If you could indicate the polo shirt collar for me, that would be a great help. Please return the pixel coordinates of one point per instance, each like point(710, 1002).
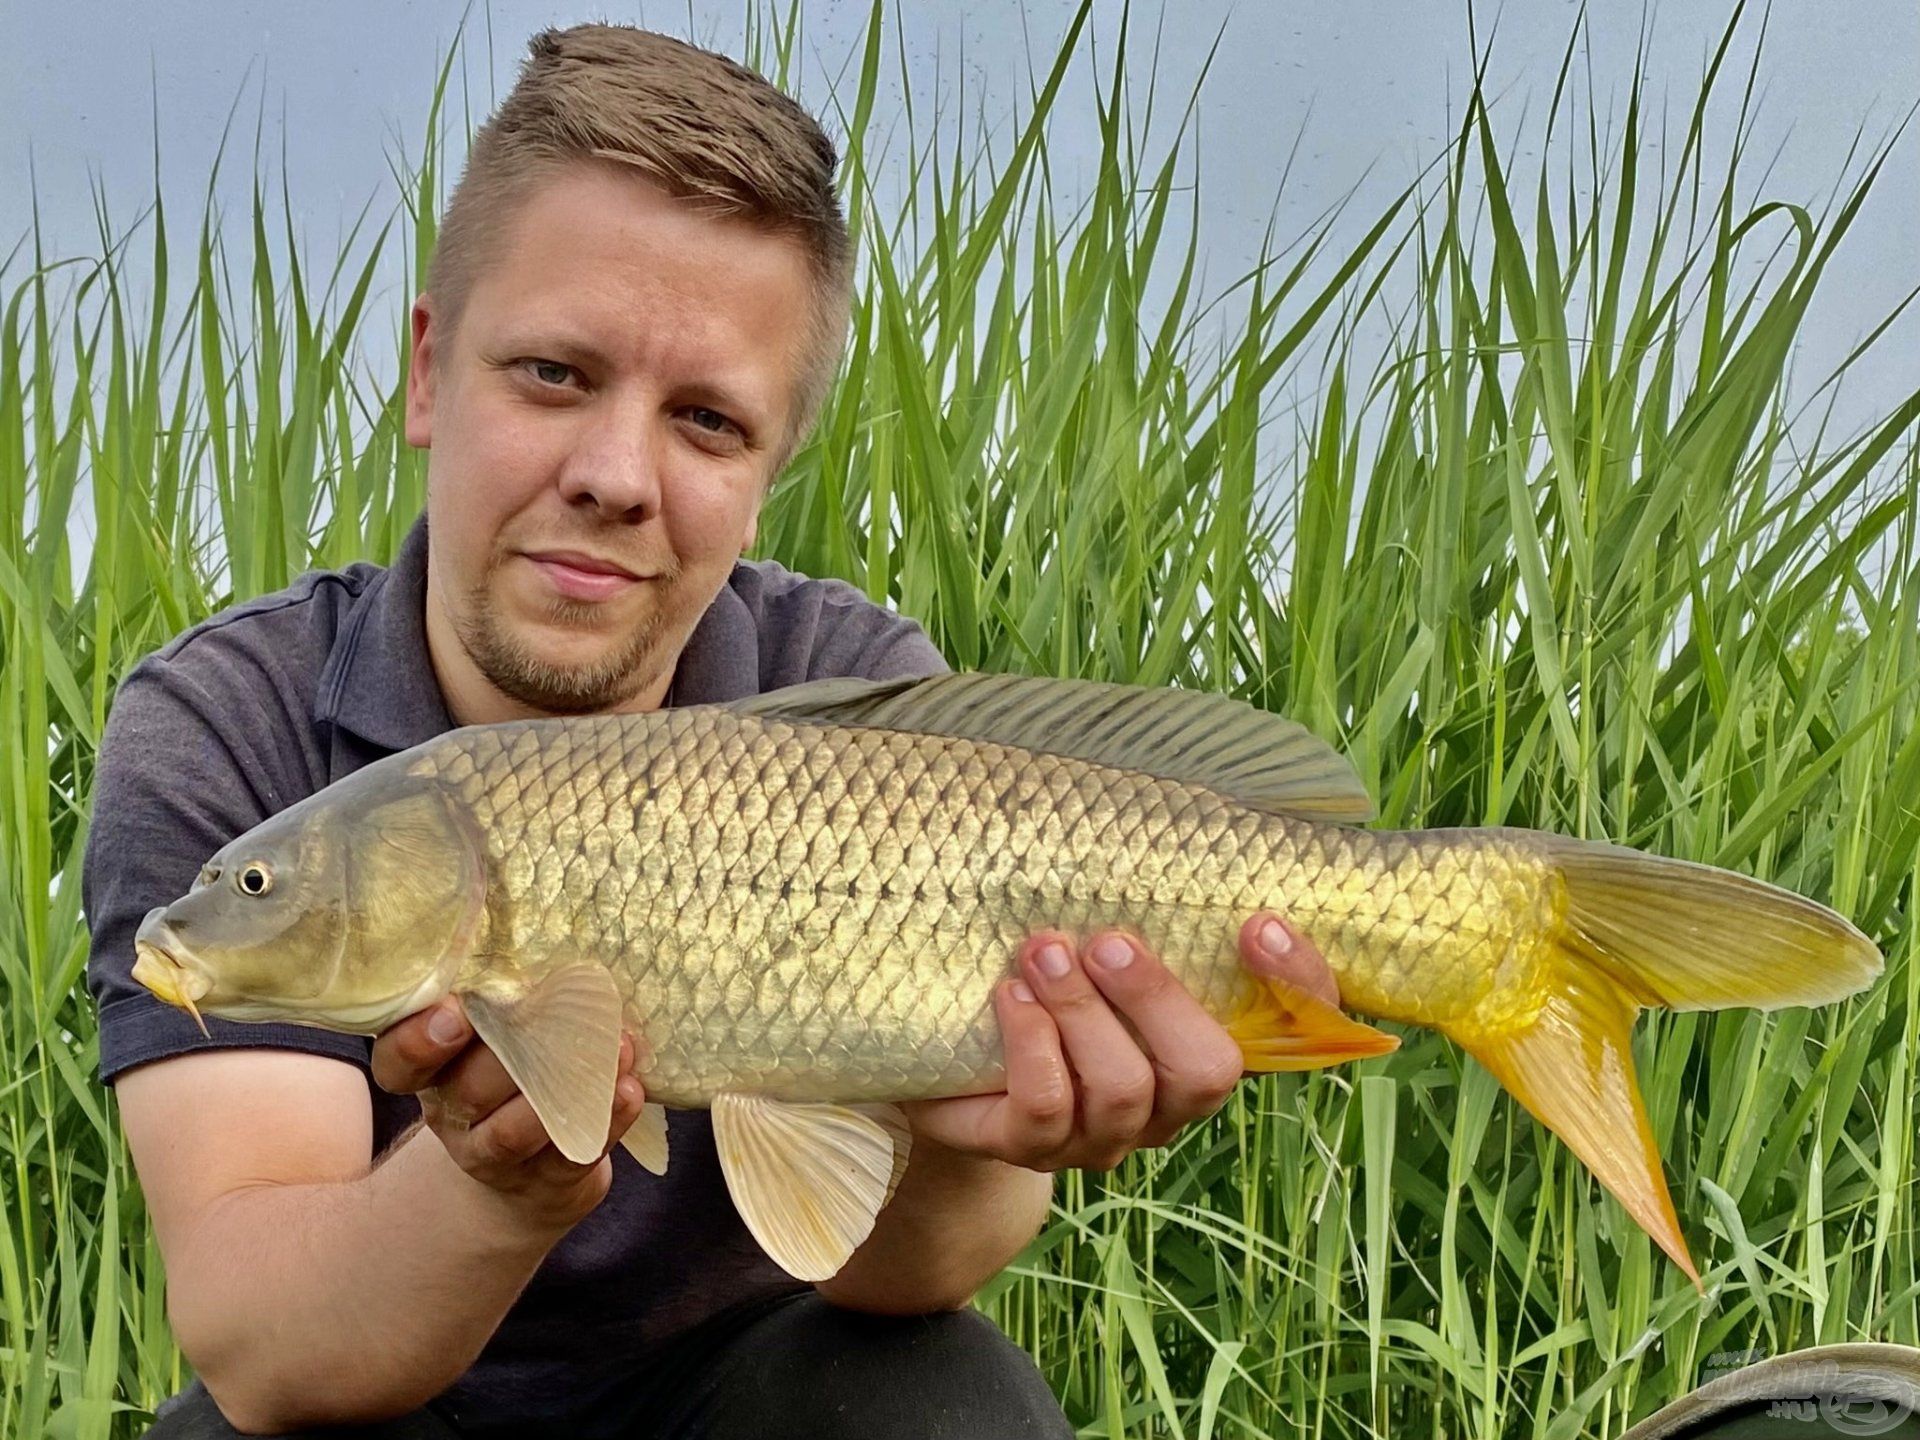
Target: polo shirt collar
point(379, 684)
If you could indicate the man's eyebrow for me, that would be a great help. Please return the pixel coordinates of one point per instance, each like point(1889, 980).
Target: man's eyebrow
point(547, 343)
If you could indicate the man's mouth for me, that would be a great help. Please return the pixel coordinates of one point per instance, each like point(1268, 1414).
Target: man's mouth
point(580, 576)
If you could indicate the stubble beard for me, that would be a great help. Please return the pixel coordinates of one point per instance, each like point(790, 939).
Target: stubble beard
point(516, 668)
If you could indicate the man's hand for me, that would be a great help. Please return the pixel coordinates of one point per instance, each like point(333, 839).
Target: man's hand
point(1082, 1092)
point(489, 1128)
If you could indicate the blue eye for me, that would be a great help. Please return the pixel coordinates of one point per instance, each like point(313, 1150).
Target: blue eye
point(549, 366)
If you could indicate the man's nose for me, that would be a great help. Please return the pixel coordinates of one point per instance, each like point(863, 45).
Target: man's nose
point(616, 468)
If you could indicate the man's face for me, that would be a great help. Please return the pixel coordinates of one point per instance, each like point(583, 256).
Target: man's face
point(602, 422)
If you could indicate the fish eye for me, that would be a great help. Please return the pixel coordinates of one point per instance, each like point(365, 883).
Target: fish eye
point(253, 879)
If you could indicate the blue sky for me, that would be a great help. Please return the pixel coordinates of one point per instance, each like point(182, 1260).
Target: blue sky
point(1366, 88)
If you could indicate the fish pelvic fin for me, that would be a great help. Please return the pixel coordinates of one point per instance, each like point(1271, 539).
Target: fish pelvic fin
point(646, 1139)
point(558, 1037)
point(1637, 930)
point(1282, 1027)
point(808, 1179)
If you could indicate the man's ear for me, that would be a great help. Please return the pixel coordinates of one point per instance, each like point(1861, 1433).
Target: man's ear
point(420, 375)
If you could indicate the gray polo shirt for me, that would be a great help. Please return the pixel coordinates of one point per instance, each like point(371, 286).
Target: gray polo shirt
point(269, 701)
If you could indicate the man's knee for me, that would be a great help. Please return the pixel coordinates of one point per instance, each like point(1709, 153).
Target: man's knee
point(952, 1375)
point(192, 1415)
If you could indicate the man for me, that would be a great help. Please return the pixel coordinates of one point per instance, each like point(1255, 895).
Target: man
point(639, 298)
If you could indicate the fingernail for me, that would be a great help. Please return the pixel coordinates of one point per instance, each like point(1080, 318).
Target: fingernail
point(1053, 960)
point(1110, 952)
point(1022, 991)
point(629, 1090)
point(1274, 940)
point(445, 1027)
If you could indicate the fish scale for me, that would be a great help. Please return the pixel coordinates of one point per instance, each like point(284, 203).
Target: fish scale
point(824, 911)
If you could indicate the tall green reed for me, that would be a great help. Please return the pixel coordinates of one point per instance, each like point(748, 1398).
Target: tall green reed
point(1558, 557)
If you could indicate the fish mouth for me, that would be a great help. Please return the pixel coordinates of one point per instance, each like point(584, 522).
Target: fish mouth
point(155, 966)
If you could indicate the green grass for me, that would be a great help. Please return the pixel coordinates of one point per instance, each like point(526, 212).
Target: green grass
point(1574, 553)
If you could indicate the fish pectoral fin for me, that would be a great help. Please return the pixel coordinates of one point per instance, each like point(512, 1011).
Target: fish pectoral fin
point(1283, 1027)
point(809, 1179)
point(646, 1138)
point(1573, 1068)
point(559, 1039)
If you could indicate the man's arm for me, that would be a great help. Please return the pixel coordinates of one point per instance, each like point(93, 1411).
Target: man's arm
point(306, 1281)
point(307, 1287)
point(1081, 1093)
point(955, 1223)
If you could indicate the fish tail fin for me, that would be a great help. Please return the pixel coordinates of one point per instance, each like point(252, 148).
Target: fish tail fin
point(1638, 930)
point(1572, 1066)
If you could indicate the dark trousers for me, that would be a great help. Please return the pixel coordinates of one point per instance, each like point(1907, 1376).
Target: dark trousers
point(799, 1368)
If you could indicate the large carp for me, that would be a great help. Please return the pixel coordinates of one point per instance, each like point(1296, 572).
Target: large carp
point(801, 904)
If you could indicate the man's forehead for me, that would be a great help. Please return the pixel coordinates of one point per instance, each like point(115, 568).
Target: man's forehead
point(621, 229)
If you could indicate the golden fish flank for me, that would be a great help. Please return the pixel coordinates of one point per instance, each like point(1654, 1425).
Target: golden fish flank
point(803, 902)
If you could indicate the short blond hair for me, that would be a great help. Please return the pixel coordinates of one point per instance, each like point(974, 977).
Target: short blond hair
point(697, 124)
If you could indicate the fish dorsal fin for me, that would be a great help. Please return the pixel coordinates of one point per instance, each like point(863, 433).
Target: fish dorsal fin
point(559, 1039)
point(1249, 755)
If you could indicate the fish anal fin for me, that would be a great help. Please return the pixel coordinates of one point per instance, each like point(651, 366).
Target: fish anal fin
point(1282, 1027)
point(558, 1036)
point(809, 1179)
point(1237, 750)
point(1572, 1067)
point(646, 1139)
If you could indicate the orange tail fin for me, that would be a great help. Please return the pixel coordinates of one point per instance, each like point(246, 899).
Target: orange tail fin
point(1573, 1068)
point(1638, 930)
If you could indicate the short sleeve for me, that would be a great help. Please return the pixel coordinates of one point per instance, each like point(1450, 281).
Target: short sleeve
point(892, 647)
point(181, 771)
point(854, 636)
point(803, 628)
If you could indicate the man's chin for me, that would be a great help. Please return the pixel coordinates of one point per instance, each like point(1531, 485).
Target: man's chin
point(573, 657)
point(562, 672)
point(557, 691)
